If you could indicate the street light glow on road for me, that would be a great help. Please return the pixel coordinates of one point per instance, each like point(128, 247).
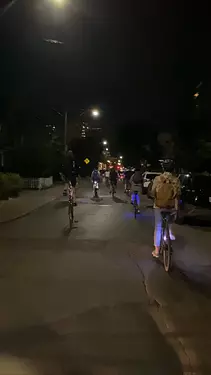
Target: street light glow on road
point(58, 2)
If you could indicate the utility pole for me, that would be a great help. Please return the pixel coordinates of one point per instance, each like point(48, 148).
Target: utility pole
point(7, 7)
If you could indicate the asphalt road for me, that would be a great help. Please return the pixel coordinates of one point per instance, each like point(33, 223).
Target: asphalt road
point(93, 301)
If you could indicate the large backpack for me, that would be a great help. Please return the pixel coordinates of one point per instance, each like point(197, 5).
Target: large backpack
point(165, 195)
point(95, 176)
point(137, 178)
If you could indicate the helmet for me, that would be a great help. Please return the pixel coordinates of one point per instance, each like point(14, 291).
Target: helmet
point(168, 165)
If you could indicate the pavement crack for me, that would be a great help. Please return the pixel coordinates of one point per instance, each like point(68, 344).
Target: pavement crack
point(152, 300)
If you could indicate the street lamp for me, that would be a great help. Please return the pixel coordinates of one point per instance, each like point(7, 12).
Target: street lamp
point(95, 113)
point(105, 142)
point(106, 148)
point(121, 157)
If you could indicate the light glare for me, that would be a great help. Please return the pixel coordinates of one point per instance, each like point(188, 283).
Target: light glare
point(95, 113)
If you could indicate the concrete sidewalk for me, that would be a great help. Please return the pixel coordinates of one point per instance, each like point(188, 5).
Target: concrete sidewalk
point(28, 201)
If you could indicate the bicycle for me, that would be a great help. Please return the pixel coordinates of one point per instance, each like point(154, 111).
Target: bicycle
point(165, 241)
point(70, 194)
point(135, 204)
point(70, 203)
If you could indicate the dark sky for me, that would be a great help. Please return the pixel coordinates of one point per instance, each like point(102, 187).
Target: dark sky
point(135, 59)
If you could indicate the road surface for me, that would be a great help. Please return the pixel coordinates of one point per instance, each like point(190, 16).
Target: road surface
point(93, 301)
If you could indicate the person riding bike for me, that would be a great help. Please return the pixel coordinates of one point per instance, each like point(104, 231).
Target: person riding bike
point(127, 177)
point(70, 173)
point(166, 192)
point(136, 181)
point(95, 177)
point(113, 179)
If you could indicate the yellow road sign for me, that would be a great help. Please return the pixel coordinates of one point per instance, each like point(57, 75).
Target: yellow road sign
point(87, 161)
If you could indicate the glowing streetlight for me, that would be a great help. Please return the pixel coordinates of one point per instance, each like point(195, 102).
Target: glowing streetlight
point(95, 113)
point(58, 2)
point(106, 148)
point(105, 142)
point(121, 157)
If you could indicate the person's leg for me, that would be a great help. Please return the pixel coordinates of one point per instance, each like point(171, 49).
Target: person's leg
point(157, 231)
point(172, 236)
point(132, 196)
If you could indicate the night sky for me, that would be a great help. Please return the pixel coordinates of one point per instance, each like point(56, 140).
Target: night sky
point(137, 60)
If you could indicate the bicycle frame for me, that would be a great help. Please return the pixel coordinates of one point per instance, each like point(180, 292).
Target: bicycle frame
point(70, 192)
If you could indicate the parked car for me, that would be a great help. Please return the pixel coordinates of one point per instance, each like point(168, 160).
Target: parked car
point(147, 178)
point(195, 196)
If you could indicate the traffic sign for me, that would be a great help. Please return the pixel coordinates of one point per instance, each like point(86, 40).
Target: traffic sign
point(87, 161)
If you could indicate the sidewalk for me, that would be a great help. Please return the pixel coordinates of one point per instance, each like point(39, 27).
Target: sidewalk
point(27, 202)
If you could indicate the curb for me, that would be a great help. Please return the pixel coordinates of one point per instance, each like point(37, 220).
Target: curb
point(20, 216)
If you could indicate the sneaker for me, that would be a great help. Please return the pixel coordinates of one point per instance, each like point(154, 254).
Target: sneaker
point(155, 254)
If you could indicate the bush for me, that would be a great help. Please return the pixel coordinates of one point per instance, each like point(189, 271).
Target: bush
point(10, 185)
point(15, 184)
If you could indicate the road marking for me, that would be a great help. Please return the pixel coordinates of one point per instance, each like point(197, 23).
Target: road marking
point(105, 205)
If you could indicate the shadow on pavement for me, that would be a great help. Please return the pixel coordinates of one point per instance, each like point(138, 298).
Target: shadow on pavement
point(96, 200)
point(122, 339)
point(198, 280)
point(119, 200)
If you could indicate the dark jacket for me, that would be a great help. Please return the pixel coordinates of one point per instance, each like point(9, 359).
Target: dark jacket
point(113, 176)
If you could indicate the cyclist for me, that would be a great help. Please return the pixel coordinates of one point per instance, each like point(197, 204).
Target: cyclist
point(95, 177)
point(70, 173)
point(166, 192)
point(128, 175)
point(136, 185)
point(113, 179)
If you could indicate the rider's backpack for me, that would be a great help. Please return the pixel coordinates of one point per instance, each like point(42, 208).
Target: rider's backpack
point(165, 195)
point(137, 178)
point(95, 176)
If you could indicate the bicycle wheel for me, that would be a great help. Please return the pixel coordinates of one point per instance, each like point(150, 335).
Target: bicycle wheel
point(167, 250)
point(135, 208)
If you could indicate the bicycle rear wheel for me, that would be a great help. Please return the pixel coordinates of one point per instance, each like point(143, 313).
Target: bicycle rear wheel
point(135, 208)
point(167, 251)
